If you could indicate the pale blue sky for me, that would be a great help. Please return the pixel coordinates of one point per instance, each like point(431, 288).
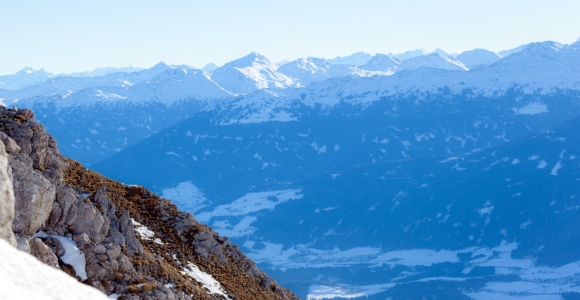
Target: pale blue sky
point(67, 35)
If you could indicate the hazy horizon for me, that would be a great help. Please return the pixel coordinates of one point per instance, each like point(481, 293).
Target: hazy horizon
point(70, 36)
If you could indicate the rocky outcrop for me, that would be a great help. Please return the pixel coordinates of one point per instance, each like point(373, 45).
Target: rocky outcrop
point(34, 197)
point(6, 199)
point(42, 252)
point(120, 239)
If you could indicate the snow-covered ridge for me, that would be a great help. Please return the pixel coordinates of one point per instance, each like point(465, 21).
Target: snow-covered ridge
point(539, 68)
point(167, 87)
point(246, 74)
point(23, 78)
point(250, 73)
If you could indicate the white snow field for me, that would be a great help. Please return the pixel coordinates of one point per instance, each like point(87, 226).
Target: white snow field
point(72, 255)
point(212, 285)
point(23, 277)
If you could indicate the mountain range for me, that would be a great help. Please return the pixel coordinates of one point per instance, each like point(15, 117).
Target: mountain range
point(80, 108)
point(418, 175)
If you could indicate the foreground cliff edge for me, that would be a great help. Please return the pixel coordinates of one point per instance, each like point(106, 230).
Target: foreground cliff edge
point(122, 240)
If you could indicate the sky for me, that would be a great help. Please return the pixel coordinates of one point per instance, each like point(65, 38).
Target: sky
point(66, 36)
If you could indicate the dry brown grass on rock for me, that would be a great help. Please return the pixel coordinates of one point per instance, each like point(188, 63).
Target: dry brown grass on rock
point(157, 262)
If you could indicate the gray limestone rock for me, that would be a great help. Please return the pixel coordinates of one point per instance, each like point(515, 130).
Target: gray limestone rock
point(55, 245)
point(184, 220)
point(6, 200)
point(205, 244)
point(90, 221)
point(107, 206)
point(70, 213)
point(43, 253)
point(81, 239)
point(34, 196)
point(63, 212)
point(23, 243)
point(128, 230)
point(9, 143)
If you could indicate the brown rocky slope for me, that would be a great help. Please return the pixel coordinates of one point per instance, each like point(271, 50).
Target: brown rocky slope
point(136, 244)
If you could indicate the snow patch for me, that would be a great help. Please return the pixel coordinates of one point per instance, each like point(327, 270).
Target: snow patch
point(319, 292)
point(145, 233)
point(320, 149)
point(72, 255)
point(186, 196)
point(251, 202)
point(208, 282)
point(555, 169)
point(531, 109)
point(243, 228)
point(542, 164)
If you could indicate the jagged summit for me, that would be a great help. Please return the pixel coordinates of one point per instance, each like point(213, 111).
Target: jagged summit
point(210, 67)
point(160, 65)
point(382, 62)
point(30, 70)
point(509, 52)
point(305, 71)
point(543, 47)
point(250, 73)
point(355, 59)
point(249, 60)
point(23, 78)
point(409, 54)
point(104, 71)
point(433, 60)
point(440, 52)
point(477, 57)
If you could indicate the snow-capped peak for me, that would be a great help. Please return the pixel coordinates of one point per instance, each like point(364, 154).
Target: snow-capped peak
point(440, 52)
point(543, 47)
point(477, 57)
point(250, 73)
point(433, 60)
point(409, 54)
point(311, 64)
point(249, 60)
point(28, 70)
point(31, 71)
point(23, 78)
point(210, 67)
point(161, 65)
point(382, 62)
point(306, 71)
point(356, 59)
point(508, 52)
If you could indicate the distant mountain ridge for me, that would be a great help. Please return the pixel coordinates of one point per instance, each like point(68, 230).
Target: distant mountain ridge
point(23, 78)
point(30, 77)
point(250, 73)
point(164, 95)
